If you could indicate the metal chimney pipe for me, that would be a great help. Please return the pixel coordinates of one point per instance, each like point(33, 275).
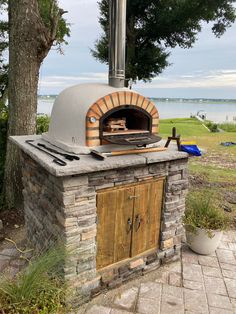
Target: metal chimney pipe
point(117, 39)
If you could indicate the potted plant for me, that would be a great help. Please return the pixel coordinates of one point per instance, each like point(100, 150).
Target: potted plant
point(204, 223)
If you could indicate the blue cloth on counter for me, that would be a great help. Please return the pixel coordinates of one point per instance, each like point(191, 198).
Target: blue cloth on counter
point(191, 149)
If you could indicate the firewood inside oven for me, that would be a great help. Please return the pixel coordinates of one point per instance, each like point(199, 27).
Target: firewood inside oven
point(115, 124)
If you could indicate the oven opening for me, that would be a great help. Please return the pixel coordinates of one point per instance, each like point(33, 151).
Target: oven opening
point(126, 121)
point(127, 125)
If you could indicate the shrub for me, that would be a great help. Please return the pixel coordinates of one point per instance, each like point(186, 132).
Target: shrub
point(42, 124)
point(202, 212)
point(213, 127)
point(38, 289)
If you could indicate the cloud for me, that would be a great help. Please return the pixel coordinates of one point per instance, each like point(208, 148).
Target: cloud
point(208, 79)
point(220, 79)
point(61, 82)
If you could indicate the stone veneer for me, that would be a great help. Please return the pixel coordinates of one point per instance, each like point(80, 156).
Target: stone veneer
point(65, 207)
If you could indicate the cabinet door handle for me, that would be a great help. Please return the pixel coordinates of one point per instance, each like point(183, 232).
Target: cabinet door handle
point(137, 222)
point(133, 196)
point(129, 225)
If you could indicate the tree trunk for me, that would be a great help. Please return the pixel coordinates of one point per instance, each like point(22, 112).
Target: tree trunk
point(28, 45)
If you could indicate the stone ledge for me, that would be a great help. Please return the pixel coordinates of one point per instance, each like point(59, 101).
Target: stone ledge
point(88, 164)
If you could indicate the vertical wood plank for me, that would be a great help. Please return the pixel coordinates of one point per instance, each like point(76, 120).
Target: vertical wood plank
point(123, 232)
point(106, 212)
point(139, 235)
point(147, 206)
point(114, 208)
point(154, 214)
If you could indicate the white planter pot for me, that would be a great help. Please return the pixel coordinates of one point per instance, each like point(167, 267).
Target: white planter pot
point(200, 242)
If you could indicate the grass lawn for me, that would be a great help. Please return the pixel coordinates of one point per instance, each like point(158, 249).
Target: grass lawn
point(187, 127)
point(216, 169)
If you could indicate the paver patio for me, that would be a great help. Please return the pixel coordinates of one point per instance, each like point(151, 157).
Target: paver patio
point(195, 284)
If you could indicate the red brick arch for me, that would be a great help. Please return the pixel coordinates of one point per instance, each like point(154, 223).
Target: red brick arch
point(107, 103)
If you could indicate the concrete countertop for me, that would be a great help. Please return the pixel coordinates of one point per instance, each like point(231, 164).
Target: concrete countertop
point(87, 163)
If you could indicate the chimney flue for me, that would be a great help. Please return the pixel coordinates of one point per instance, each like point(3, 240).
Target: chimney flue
point(117, 39)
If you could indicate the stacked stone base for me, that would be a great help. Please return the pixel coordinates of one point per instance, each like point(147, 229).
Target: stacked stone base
point(65, 208)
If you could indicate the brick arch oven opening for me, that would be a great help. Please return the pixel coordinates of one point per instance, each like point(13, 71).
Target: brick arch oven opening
point(124, 118)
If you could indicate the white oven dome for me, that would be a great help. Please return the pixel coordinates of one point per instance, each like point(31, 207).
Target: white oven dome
point(68, 118)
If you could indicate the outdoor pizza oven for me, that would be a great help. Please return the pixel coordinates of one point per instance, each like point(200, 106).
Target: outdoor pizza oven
point(119, 217)
point(92, 115)
point(96, 115)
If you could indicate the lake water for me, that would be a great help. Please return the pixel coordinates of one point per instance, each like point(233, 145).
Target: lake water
point(215, 110)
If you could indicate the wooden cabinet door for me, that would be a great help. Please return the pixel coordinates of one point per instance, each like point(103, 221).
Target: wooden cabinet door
point(128, 221)
point(115, 211)
point(147, 215)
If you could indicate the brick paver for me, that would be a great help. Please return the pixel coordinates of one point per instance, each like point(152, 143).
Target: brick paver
point(189, 256)
point(231, 287)
point(197, 284)
point(210, 261)
point(229, 273)
point(172, 300)
point(172, 304)
point(228, 267)
point(193, 285)
point(211, 271)
point(150, 290)
point(149, 300)
point(192, 272)
point(219, 301)
point(195, 301)
point(175, 279)
point(226, 256)
point(215, 285)
point(127, 299)
point(148, 306)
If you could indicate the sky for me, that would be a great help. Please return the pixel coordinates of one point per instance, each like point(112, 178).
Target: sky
point(206, 71)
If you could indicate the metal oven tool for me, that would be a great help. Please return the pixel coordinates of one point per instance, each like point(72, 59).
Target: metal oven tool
point(102, 156)
point(67, 156)
point(56, 160)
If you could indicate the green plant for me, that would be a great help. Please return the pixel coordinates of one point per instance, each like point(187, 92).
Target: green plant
point(38, 289)
point(42, 124)
point(202, 212)
point(228, 127)
point(213, 127)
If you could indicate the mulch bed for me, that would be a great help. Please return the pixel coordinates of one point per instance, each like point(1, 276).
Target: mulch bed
point(12, 218)
point(13, 224)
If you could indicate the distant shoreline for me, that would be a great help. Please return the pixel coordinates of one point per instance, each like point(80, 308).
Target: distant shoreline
point(217, 110)
point(162, 99)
